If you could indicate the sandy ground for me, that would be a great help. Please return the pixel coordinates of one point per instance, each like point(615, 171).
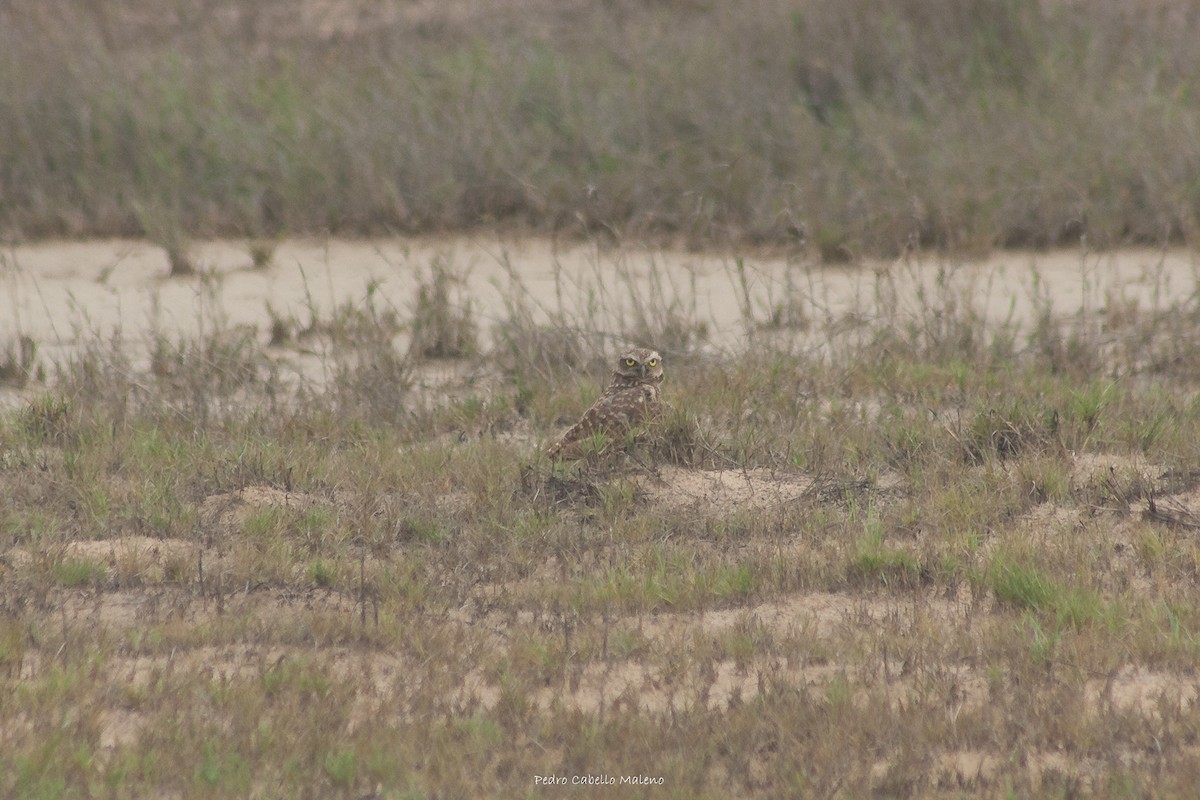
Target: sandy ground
point(66, 294)
point(614, 683)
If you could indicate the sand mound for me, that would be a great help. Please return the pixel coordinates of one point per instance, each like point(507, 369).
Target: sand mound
point(231, 509)
point(722, 491)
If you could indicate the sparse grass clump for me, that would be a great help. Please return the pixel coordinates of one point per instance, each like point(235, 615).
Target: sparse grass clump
point(18, 362)
point(77, 572)
point(162, 224)
point(262, 251)
point(441, 327)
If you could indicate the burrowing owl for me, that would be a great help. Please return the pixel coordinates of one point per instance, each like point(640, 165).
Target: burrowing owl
point(631, 398)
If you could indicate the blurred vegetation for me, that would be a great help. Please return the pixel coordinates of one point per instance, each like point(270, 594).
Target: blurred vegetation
point(858, 127)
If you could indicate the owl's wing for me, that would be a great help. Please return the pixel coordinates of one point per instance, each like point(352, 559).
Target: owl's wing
point(613, 414)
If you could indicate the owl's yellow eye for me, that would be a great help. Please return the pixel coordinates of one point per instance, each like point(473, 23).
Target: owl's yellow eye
point(629, 362)
point(654, 362)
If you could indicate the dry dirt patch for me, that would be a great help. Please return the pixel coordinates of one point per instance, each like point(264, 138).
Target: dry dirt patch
point(132, 554)
point(231, 510)
point(138, 548)
point(143, 556)
point(721, 491)
point(812, 616)
point(130, 609)
point(1143, 691)
point(819, 614)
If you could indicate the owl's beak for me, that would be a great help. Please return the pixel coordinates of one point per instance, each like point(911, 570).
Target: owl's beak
point(643, 368)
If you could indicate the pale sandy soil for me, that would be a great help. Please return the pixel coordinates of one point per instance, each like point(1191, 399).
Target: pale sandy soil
point(66, 294)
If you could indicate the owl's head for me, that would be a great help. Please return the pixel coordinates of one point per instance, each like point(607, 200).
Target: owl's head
point(640, 365)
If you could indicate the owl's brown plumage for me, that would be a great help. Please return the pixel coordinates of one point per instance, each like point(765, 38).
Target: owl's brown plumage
point(632, 397)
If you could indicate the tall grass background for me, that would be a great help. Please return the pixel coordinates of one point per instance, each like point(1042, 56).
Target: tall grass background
point(858, 127)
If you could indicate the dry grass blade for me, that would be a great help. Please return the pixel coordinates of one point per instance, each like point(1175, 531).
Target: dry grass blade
point(1171, 511)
